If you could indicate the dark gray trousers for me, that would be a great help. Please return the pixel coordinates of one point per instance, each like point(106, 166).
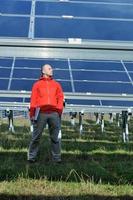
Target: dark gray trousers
point(54, 124)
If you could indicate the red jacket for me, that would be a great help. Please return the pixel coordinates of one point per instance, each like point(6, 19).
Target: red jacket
point(46, 94)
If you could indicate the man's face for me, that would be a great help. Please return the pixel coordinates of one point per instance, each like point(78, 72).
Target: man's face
point(48, 71)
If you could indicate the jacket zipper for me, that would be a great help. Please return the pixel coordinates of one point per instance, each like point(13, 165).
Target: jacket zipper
point(48, 92)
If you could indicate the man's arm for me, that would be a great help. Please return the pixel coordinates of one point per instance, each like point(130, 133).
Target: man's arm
point(33, 101)
point(60, 99)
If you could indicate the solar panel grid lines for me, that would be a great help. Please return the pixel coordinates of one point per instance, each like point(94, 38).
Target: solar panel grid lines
point(127, 72)
point(11, 74)
point(71, 10)
point(99, 1)
point(32, 20)
point(14, 18)
point(118, 2)
point(70, 21)
point(44, 19)
point(97, 80)
point(16, 7)
point(63, 20)
point(71, 75)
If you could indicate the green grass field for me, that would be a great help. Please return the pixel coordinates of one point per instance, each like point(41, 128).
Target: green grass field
point(94, 166)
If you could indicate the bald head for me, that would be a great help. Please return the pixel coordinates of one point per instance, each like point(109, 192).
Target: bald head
point(47, 70)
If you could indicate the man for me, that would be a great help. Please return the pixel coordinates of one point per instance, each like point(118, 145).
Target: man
point(46, 106)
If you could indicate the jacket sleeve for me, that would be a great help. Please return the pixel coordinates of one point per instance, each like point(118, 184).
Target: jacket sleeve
point(60, 99)
point(33, 101)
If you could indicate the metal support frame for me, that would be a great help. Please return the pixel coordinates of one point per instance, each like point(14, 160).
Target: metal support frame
point(111, 117)
point(31, 127)
point(70, 95)
point(125, 126)
point(81, 122)
point(118, 119)
point(102, 122)
point(68, 108)
point(72, 49)
point(71, 107)
point(97, 118)
point(9, 115)
point(73, 116)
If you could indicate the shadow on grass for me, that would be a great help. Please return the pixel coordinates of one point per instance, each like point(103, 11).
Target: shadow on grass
point(93, 131)
point(24, 128)
point(112, 168)
point(22, 140)
point(65, 197)
point(85, 146)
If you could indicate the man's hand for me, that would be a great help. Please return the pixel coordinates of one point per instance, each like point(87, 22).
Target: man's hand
point(32, 119)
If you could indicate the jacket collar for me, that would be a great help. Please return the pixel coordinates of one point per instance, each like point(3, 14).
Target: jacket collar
point(46, 79)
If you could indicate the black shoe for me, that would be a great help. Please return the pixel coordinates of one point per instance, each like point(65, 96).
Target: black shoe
point(31, 160)
point(57, 161)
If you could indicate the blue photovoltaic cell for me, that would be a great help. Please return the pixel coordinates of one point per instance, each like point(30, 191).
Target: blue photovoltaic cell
point(117, 103)
point(84, 10)
point(30, 63)
point(61, 74)
point(3, 84)
point(60, 64)
point(101, 76)
point(97, 65)
point(10, 99)
point(22, 84)
point(35, 74)
point(131, 75)
point(97, 103)
point(129, 66)
point(82, 102)
point(27, 100)
point(103, 87)
point(66, 85)
point(27, 85)
point(4, 62)
point(88, 29)
point(15, 7)
point(14, 26)
point(26, 73)
point(105, 1)
point(5, 73)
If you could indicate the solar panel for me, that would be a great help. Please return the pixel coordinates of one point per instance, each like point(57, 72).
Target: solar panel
point(85, 76)
point(6, 62)
point(15, 7)
point(83, 10)
point(37, 63)
point(3, 84)
point(14, 26)
point(99, 20)
point(105, 1)
point(100, 103)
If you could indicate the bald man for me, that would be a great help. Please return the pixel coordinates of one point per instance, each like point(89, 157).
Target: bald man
point(46, 107)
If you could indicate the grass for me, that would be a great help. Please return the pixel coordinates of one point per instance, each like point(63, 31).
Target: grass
point(95, 165)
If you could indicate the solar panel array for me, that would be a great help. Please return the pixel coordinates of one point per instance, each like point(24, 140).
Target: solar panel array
point(88, 20)
point(75, 76)
point(97, 20)
point(87, 76)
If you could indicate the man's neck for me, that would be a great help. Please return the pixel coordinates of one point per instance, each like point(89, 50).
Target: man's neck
point(47, 77)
